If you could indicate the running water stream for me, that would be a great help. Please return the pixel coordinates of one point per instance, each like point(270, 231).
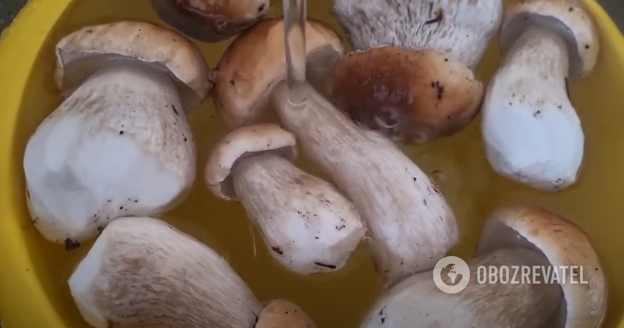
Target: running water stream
point(294, 34)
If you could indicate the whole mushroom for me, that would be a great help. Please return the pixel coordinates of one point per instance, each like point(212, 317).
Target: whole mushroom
point(211, 20)
point(119, 145)
point(144, 271)
point(410, 223)
point(395, 76)
point(573, 294)
point(307, 224)
point(531, 132)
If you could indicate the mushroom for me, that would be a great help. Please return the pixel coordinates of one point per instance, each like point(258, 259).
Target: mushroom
point(461, 30)
point(531, 132)
point(211, 20)
point(409, 95)
point(283, 314)
point(245, 81)
point(391, 84)
point(144, 271)
point(512, 237)
point(410, 222)
point(307, 224)
point(119, 145)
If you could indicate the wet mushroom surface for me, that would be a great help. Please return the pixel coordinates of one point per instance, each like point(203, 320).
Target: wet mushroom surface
point(210, 20)
point(522, 237)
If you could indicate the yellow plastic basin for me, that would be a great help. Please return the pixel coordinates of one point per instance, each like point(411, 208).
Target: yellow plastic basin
point(33, 272)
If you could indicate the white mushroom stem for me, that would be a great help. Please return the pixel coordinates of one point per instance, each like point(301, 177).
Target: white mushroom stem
point(307, 225)
point(531, 132)
point(143, 271)
point(417, 302)
point(411, 225)
point(118, 146)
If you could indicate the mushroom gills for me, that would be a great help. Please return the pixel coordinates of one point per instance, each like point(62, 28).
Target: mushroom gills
point(410, 222)
point(193, 18)
point(307, 225)
point(532, 133)
point(116, 147)
point(143, 271)
point(417, 303)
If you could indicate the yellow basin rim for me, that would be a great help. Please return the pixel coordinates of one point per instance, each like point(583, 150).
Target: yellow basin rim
point(23, 301)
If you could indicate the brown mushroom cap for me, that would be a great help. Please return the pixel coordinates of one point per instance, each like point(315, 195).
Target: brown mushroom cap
point(283, 314)
point(82, 53)
point(566, 17)
point(240, 143)
point(211, 20)
point(410, 95)
point(563, 244)
point(255, 62)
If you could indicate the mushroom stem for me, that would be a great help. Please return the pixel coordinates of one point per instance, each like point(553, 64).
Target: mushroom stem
point(144, 271)
point(307, 226)
point(533, 134)
point(412, 226)
point(418, 300)
point(124, 123)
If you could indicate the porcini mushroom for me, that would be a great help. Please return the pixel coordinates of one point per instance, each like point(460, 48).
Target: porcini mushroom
point(408, 95)
point(283, 314)
point(144, 271)
point(245, 81)
point(393, 85)
point(531, 132)
point(460, 29)
point(307, 224)
point(568, 290)
point(210, 20)
point(410, 222)
point(119, 145)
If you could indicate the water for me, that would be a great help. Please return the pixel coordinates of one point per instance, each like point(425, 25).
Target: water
point(341, 300)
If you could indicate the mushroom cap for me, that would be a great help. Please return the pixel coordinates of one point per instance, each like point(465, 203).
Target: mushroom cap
point(564, 244)
point(283, 314)
point(255, 62)
point(565, 17)
point(210, 20)
point(411, 95)
point(244, 142)
point(82, 53)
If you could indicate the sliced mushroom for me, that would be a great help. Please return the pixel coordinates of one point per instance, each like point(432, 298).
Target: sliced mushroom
point(211, 20)
point(283, 314)
point(531, 132)
point(255, 62)
point(460, 29)
point(513, 236)
point(411, 224)
point(409, 95)
point(307, 224)
point(143, 271)
point(119, 145)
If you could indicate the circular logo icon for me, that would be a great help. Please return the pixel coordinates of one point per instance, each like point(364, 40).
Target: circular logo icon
point(451, 274)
